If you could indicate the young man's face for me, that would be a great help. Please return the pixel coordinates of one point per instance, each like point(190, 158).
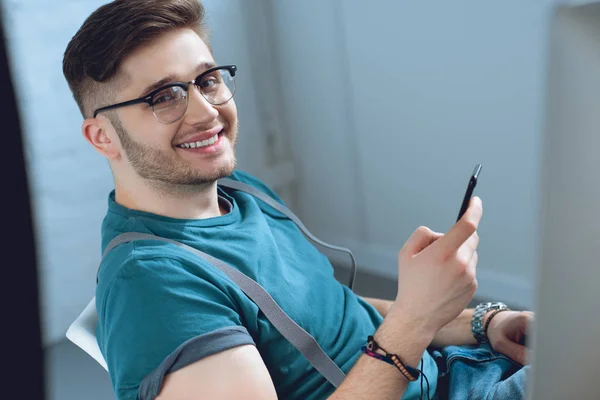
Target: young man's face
point(154, 149)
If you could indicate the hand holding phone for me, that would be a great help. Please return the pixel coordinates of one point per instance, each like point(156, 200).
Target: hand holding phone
point(469, 192)
point(447, 262)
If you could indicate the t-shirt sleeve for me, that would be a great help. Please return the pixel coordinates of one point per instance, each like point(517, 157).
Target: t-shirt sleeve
point(156, 317)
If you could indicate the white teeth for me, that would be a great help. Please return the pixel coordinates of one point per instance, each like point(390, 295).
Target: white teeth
point(203, 143)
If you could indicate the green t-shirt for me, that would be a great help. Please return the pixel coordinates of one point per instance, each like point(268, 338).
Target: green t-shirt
point(161, 308)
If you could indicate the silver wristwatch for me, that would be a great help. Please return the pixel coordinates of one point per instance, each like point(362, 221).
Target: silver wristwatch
point(477, 320)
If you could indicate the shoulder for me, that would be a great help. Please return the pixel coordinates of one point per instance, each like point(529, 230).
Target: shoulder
point(151, 266)
point(159, 311)
point(155, 285)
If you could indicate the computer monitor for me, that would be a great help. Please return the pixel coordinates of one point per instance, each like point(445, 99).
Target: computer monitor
point(566, 334)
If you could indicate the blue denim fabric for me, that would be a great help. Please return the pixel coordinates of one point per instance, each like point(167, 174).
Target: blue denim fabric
point(478, 373)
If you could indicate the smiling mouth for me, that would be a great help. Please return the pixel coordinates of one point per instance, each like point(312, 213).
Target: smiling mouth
point(202, 143)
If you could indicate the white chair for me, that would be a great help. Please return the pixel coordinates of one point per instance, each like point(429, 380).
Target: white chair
point(82, 332)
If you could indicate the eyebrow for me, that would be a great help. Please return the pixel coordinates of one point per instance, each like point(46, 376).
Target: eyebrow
point(172, 78)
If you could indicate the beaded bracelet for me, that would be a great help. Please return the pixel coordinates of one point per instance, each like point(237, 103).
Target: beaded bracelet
point(412, 374)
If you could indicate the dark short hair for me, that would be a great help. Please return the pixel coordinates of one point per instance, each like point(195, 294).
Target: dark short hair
point(114, 31)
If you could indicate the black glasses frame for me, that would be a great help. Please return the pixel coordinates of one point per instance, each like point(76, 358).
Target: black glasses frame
point(184, 85)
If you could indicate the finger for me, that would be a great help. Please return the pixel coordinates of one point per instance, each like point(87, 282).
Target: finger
point(466, 253)
point(472, 267)
point(513, 350)
point(421, 238)
point(473, 241)
point(471, 273)
point(528, 315)
point(524, 328)
point(462, 230)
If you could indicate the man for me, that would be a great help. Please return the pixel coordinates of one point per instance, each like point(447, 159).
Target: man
point(172, 326)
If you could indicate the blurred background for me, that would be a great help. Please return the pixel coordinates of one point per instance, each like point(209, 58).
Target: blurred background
point(367, 117)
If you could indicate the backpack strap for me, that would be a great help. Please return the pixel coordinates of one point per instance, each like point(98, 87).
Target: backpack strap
point(296, 335)
point(237, 185)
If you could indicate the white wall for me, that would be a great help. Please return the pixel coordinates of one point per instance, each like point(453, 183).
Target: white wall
point(69, 180)
point(391, 105)
point(387, 107)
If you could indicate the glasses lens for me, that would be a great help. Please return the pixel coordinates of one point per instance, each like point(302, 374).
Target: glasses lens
point(217, 87)
point(170, 104)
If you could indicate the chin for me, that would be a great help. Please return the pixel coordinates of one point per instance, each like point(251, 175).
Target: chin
point(221, 169)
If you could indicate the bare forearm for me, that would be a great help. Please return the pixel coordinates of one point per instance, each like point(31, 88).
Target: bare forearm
point(382, 306)
point(458, 332)
point(374, 379)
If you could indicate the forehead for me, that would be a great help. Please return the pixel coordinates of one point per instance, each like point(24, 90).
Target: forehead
point(177, 53)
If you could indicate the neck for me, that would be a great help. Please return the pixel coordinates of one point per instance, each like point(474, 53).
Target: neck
point(174, 201)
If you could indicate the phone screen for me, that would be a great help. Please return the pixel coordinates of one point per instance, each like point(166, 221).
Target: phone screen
point(469, 192)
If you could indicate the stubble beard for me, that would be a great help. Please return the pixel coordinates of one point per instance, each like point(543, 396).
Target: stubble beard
point(167, 173)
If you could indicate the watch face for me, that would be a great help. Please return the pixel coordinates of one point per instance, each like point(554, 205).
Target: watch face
point(489, 305)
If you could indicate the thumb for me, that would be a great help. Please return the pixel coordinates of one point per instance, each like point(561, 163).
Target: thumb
point(418, 241)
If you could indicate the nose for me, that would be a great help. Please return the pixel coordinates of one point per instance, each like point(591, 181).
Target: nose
point(199, 111)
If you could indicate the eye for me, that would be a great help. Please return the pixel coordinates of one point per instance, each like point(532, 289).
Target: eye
point(162, 99)
point(207, 83)
point(167, 97)
point(210, 82)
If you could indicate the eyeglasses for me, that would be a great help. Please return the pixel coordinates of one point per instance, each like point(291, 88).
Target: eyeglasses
point(169, 103)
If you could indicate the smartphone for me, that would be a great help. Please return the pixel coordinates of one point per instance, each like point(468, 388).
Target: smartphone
point(469, 192)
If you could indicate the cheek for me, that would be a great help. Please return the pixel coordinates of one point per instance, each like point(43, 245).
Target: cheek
point(229, 113)
point(155, 134)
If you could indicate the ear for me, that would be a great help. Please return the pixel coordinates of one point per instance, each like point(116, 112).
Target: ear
point(100, 133)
